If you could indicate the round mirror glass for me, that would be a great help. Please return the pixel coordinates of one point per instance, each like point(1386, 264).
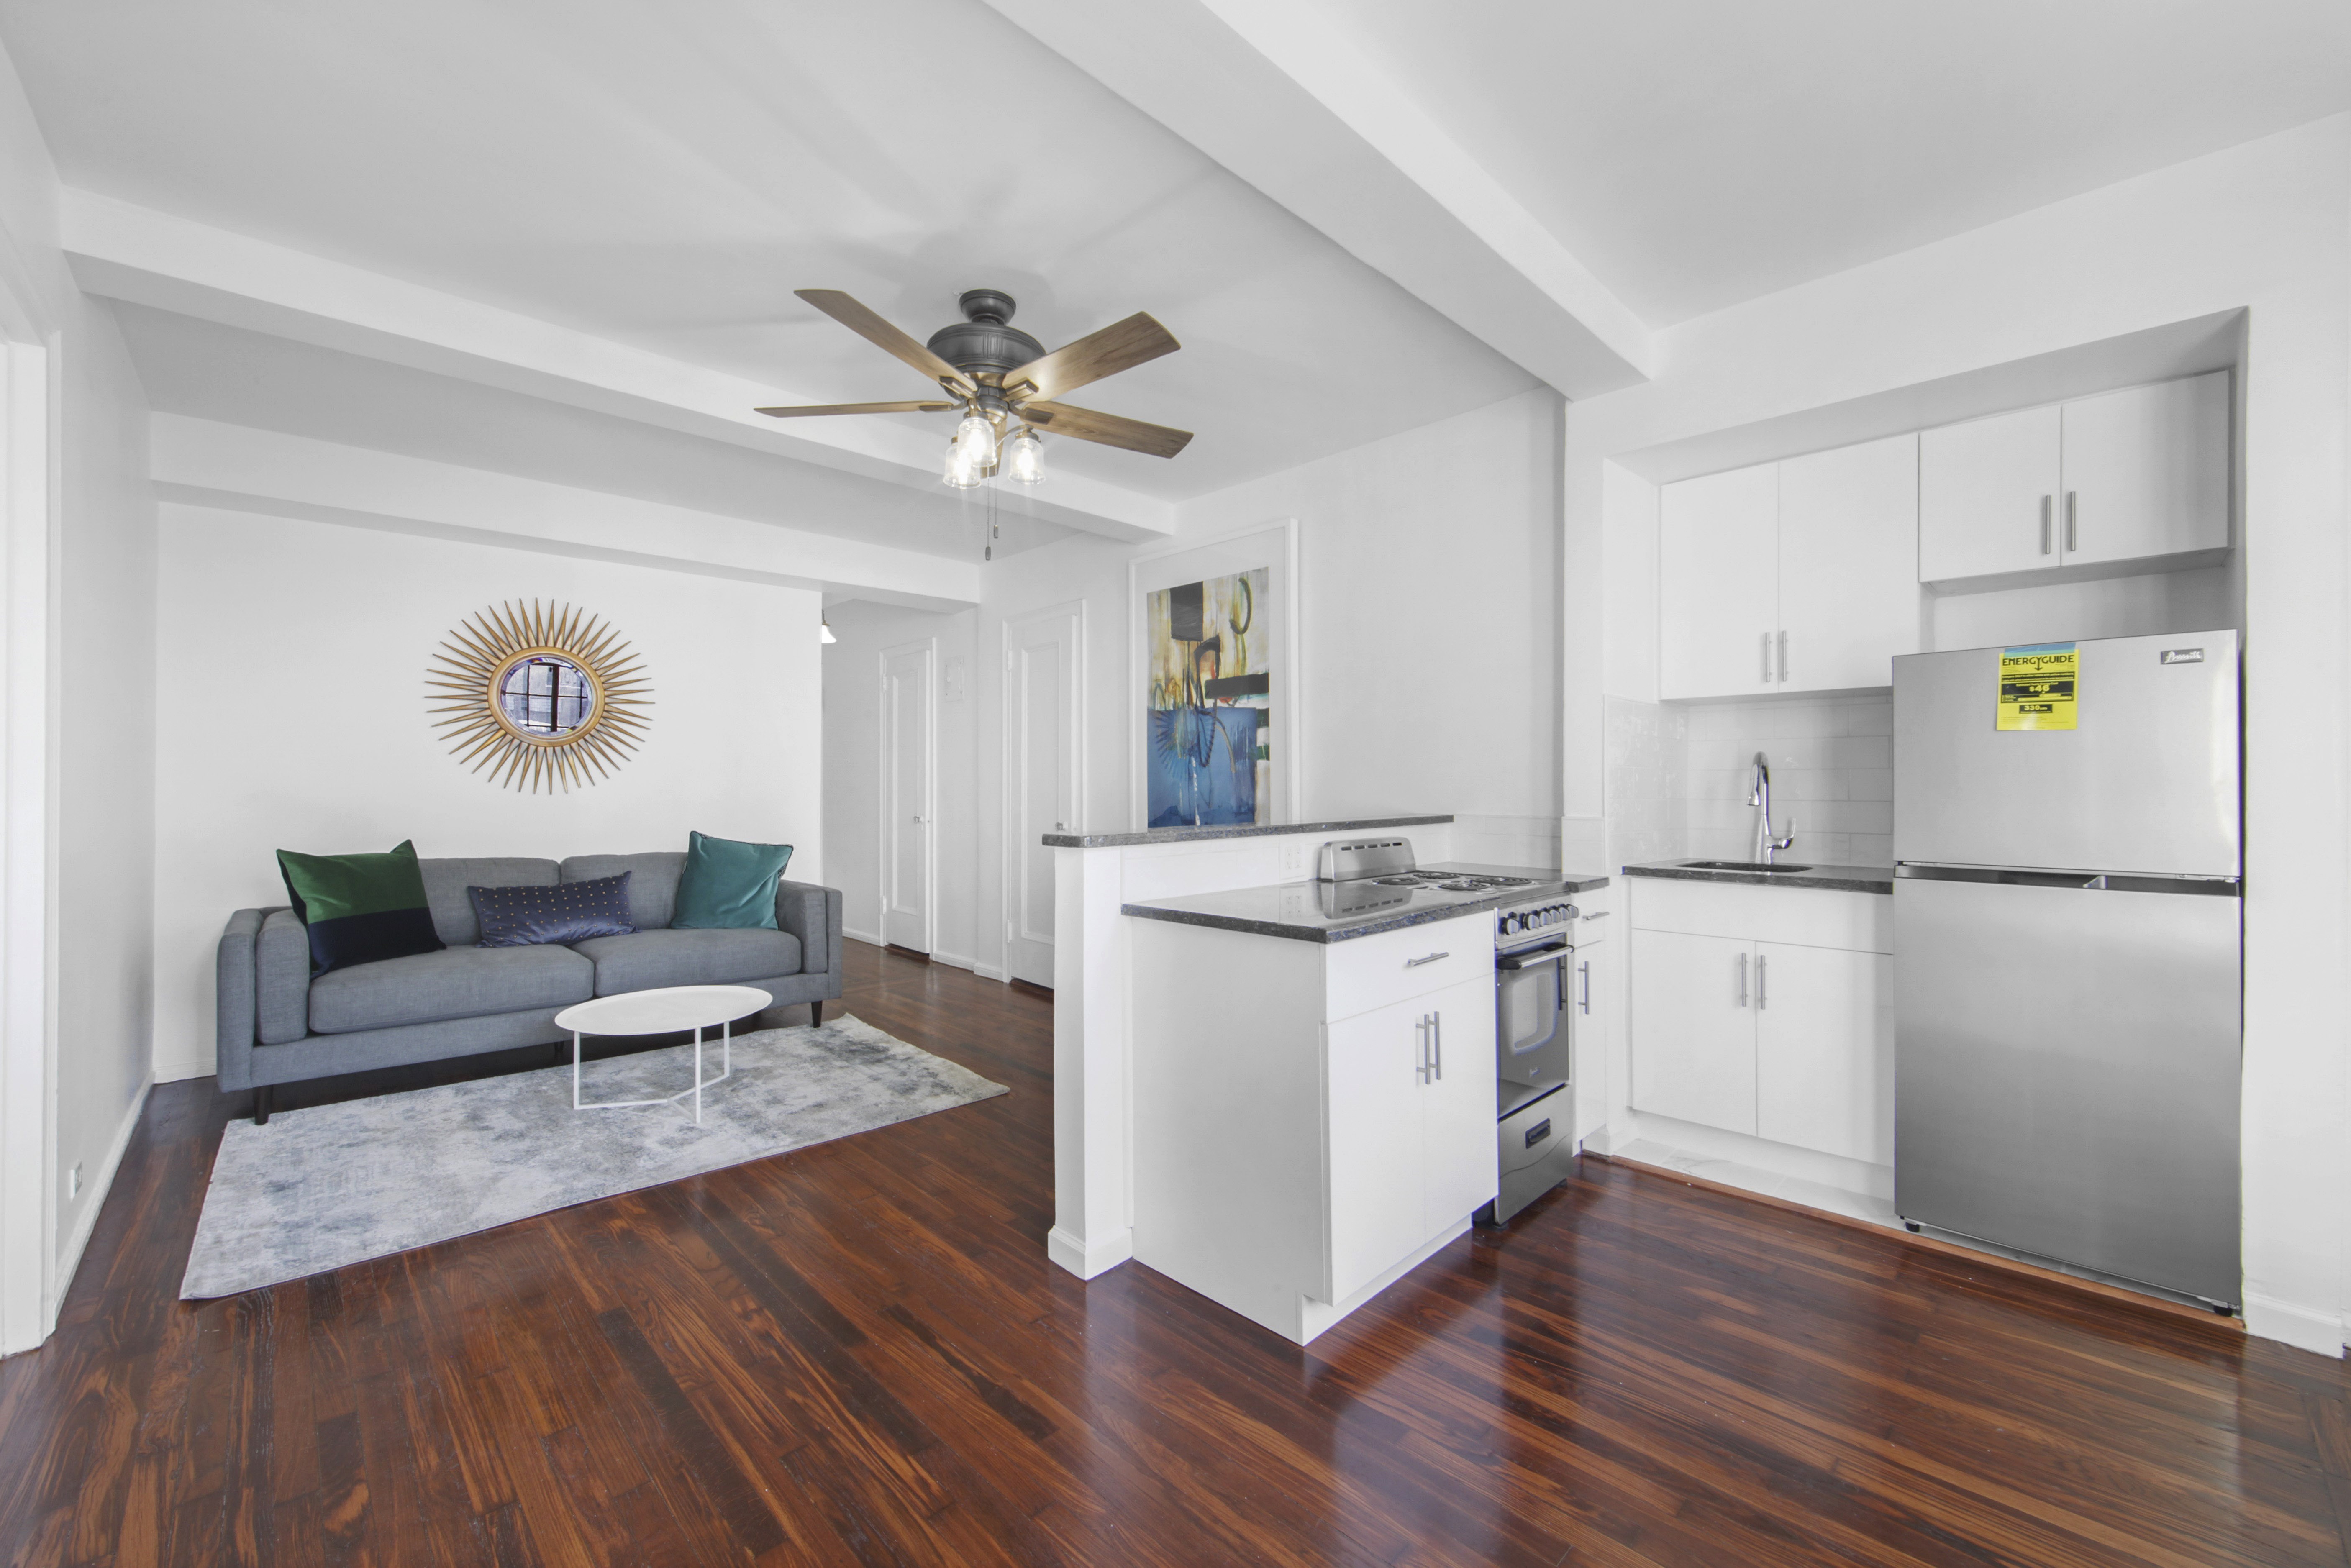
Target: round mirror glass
point(546, 695)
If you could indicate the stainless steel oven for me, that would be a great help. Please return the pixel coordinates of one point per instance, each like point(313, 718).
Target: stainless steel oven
point(1534, 1050)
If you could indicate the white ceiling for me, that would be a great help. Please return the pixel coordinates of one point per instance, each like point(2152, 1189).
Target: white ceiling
point(1694, 153)
point(666, 174)
point(240, 377)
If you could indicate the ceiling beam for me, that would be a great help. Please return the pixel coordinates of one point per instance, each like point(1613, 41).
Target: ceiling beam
point(234, 468)
point(1274, 91)
point(125, 252)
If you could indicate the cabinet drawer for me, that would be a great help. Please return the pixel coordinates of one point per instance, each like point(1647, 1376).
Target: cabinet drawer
point(1373, 971)
point(1806, 916)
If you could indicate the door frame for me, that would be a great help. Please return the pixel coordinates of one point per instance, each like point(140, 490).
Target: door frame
point(929, 649)
point(31, 1280)
point(1008, 824)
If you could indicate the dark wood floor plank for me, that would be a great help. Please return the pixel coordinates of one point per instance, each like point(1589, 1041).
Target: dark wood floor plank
point(858, 1354)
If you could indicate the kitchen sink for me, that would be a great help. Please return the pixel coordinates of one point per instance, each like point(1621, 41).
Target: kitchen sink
point(1740, 865)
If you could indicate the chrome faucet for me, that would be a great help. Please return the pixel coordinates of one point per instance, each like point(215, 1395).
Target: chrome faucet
point(1759, 795)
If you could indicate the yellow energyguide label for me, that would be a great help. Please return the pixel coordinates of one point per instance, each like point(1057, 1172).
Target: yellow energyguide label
point(2040, 686)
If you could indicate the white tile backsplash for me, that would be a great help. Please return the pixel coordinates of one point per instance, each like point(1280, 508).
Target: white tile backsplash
point(1831, 763)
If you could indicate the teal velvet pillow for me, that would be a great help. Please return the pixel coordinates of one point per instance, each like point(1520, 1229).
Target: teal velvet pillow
point(728, 884)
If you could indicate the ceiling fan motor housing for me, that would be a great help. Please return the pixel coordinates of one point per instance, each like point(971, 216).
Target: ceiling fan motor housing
point(985, 344)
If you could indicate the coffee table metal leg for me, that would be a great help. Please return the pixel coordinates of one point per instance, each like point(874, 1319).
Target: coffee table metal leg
point(697, 1075)
point(575, 1070)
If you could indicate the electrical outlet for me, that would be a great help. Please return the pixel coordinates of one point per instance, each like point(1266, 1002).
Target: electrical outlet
point(1293, 857)
point(73, 1182)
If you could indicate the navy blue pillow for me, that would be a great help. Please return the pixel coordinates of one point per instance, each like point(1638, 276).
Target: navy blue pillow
point(552, 912)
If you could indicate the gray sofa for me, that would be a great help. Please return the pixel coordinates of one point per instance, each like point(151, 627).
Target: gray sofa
point(279, 1026)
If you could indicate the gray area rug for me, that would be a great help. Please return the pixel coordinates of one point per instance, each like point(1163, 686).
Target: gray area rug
point(332, 1185)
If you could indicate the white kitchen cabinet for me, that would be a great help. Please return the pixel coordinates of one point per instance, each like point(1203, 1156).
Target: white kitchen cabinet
point(1849, 596)
point(1311, 1119)
point(1987, 495)
point(1734, 1026)
point(1694, 1051)
point(2145, 471)
point(2136, 475)
point(1718, 584)
point(1824, 1050)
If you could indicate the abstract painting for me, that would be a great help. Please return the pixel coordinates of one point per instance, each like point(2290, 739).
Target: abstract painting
point(1210, 726)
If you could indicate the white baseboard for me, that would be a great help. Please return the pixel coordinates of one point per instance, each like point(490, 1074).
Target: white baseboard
point(93, 1199)
point(2294, 1325)
point(990, 972)
point(952, 960)
point(1086, 1261)
point(868, 937)
point(177, 1070)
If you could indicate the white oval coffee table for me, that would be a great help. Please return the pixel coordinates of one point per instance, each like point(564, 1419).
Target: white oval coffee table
point(664, 1011)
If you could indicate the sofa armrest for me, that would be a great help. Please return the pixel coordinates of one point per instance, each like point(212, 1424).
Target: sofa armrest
point(812, 913)
point(281, 990)
point(233, 1033)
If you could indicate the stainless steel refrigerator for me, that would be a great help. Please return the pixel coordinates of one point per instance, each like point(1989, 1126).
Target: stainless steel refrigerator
point(2068, 952)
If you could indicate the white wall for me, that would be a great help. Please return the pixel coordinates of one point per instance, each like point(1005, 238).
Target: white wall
point(852, 766)
point(292, 713)
point(1832, 761)
point(2266, 228)
point(100, 762)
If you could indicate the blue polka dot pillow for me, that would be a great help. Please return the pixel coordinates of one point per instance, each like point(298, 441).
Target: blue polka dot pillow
point(552, 912)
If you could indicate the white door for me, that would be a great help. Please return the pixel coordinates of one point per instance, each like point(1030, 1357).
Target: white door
point(1456, 1105)
point(1375, 1068)
point(1987, 495)
point(906, 807)
point(1825, 1051)
point(1041, 748)
point(1717, 568)
point(1849, 595)
point(1694, 1029)
point(2147, 471)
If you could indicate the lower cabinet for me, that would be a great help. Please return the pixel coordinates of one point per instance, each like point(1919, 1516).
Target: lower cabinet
point(1309, 1119)
point(1789, 1040)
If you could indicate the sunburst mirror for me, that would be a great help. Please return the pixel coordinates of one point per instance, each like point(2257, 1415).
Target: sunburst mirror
point(539, 696)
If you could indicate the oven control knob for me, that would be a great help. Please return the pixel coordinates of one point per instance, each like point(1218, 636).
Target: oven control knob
point(1513, 922)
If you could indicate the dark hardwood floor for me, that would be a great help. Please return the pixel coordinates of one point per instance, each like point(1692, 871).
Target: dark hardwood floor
point(857, 1354)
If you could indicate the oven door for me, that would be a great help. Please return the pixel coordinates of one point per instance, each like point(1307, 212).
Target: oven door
point(1530, 1044)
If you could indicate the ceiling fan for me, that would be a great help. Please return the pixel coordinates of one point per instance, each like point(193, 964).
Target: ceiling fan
point(1006, 383)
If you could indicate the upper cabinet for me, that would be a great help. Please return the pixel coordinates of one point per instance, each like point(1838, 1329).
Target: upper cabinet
point(1800, 576)
point(1805, 575)
point(2131, 475)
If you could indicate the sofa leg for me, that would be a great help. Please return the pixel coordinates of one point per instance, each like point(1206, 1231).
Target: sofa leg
point(816, 1014)
point(261, 1105)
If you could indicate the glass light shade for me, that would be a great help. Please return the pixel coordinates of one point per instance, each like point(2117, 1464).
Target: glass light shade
point(976, 442)
point(1024, 457)
point(961, 474)
point(824, 632)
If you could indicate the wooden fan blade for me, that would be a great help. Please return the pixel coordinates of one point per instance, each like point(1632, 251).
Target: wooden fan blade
point(1110, 429)
point(1121, 346)
point(886, 337)
point(854, 408)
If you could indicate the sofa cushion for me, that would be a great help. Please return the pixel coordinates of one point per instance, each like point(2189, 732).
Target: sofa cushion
point(359, 908)
point(445, 882)
point(728, 884)
point(652, 883)
point(455, 983)
point(651, 958)
point(565, 911)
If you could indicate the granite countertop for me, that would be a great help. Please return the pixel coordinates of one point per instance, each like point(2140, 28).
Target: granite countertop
point(1239, 830)
point(1838, 878)
point(1339, 912)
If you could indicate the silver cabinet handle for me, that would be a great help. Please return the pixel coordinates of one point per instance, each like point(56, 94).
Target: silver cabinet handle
point(1597, 915)
point(1761, 960)
point(1436, 1033)
point(2073, 530)
point(1742, 979)
point(1783, 655)
point(1583, 971)
point(1767, 658)
point(2045, 523)
point(1420, 1048)
point(1433, 958)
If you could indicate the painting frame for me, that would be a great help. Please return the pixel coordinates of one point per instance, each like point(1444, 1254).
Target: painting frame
point(1272, 547)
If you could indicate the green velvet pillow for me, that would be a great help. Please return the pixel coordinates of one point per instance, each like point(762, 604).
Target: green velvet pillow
point(728, 884)
point(359, 908)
